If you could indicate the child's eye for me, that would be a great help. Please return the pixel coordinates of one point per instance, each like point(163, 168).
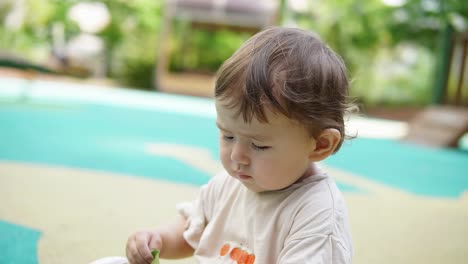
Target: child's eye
point(228, 138)
point(260, 147)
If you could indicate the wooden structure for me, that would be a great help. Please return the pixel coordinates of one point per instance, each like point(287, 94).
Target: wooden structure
point(444, 123)
point(238, 15)
point(438, 126)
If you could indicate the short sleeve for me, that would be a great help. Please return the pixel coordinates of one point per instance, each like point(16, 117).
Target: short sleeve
point(196, 221)
point(199, 212)
point(318, 249)
point(319, 232)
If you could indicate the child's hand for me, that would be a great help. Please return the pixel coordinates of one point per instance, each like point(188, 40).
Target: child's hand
point(140, 245)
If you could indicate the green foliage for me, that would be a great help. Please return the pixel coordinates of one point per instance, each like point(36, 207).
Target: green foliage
point(420, 22)
point(371, 37)
point(202, 50)
point(394, 81)
point(131, 41)
point(134, 59)
point(361, 31)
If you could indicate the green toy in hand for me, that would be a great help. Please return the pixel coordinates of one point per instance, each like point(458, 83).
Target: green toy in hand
point(155, 254)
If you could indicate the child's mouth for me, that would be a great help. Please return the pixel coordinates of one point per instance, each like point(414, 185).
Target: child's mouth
point(244, 177)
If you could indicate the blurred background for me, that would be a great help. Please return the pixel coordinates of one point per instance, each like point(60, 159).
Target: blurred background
point(106, 109)
point(395, 49)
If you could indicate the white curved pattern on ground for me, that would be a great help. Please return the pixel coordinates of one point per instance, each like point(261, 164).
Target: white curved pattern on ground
point(198, 158)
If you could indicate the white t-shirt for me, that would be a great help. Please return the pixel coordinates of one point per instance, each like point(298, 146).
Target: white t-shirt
point(304, 223)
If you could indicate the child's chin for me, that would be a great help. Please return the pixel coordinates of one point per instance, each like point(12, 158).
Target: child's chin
point(253, 187)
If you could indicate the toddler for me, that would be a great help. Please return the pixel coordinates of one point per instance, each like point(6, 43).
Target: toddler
point(280, 102)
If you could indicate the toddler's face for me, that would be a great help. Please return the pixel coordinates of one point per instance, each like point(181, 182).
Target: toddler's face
point(263, 156)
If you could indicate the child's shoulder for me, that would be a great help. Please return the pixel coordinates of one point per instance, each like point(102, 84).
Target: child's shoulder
point(319, 192)
point(318, 207)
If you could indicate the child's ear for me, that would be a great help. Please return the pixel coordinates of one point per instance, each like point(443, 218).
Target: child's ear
point(325, 144)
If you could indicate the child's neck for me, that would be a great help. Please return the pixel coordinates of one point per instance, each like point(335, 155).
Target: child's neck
point(311, 170)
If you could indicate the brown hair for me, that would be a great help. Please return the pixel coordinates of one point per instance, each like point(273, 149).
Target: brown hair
point(290, 71)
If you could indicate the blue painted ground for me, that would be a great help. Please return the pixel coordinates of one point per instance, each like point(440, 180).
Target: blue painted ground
point(415, 169)
point(102, 138)
point(18, 253)
point(112, 138)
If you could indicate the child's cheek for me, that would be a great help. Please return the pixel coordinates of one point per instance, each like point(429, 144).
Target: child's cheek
point(225, 156)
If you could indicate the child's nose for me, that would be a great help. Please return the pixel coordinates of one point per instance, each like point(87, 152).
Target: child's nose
point(239, 154)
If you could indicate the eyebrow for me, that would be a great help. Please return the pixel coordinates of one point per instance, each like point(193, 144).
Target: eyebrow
point(256, 137)
point(220, 126)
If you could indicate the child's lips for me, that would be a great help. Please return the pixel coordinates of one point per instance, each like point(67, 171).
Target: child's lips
point(244, 177)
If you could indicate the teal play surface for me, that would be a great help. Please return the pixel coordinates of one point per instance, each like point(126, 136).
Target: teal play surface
point(107, 130)
point(24, 246)
point(102, 129)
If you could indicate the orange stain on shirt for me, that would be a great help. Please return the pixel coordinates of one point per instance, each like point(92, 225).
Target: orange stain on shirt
point(239, 255)
point(251, 259)
point(243, 257)
point(224, 250)
point(236, 254)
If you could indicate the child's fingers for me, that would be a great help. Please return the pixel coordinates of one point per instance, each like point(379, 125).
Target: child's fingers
point(142, 246)
point(155, 242)
point(133, 255)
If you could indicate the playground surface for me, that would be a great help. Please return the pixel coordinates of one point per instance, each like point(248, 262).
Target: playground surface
point(83, 166)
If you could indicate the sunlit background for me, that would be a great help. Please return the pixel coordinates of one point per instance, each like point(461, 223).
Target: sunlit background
point(392, 47)
point(106, 109)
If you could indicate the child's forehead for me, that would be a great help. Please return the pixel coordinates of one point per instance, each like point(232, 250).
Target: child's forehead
point(229, 116)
